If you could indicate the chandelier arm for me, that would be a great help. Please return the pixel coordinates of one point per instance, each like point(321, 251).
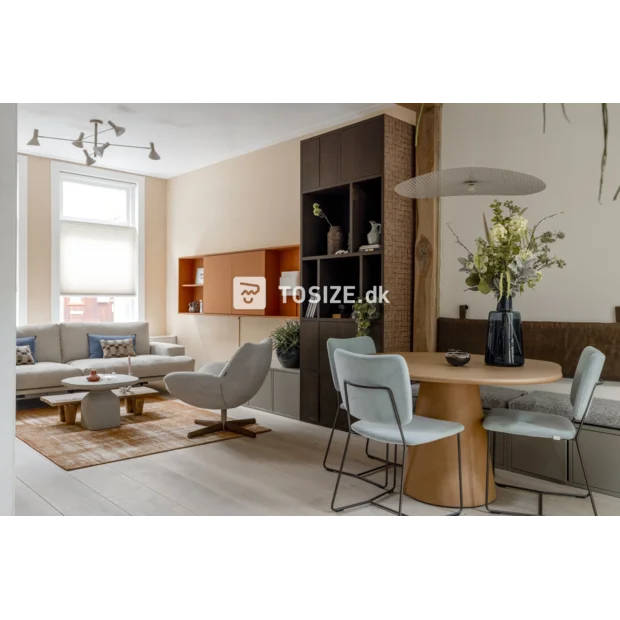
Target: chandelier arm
point(63, 139)
point(92, 135)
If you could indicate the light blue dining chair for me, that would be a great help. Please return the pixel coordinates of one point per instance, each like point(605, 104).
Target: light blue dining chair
point(377, 391)
point(364, 345)
point(549, 426)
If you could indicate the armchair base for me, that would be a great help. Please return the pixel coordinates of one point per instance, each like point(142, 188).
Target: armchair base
point(235, 426)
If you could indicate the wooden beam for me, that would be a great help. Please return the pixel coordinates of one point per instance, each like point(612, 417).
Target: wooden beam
point(426, 251)
point(417, 106)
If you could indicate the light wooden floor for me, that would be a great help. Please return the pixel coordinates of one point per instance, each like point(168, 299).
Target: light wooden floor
point(279, 473)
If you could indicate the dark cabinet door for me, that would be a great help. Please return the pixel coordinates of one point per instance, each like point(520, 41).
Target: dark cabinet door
point(329, 155)
point(328, 402)
point(309, 395)
point(309, 345)
point(327, 330)
point(361, 150)
point(310, 164)
point(347, 329)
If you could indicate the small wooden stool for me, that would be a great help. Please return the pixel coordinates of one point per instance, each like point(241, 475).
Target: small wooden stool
point(134, 398)
point(67, 405)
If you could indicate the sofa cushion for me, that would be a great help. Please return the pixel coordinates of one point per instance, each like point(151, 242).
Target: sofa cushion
point(142, 366)
point(603, 412)
point(48, 341)
point(95, 348)
point(28, 341)
point(23, 356)
point(492, 397)
point(74, 337)
point(44, 375)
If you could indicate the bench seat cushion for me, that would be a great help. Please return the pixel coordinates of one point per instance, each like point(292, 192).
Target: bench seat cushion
point(44, 375)
point(142, 366)
point(492, 397)
point(603, 412)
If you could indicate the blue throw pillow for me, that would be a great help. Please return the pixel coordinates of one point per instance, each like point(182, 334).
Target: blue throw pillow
point(31, 341)
point(94, 343)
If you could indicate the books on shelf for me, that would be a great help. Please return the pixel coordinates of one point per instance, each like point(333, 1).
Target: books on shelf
point(373, 247)
point(311, 309)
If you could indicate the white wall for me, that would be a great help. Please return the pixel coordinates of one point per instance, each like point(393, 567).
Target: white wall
point(8, 249)
point(567, 158)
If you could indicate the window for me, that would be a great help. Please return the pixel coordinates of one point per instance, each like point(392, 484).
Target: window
point(98, 245)
point(22, 240)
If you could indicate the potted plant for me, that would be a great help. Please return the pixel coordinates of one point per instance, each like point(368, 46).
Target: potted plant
point(364, 314)
point(335, 236)
point(286, 344)
point(510, 258)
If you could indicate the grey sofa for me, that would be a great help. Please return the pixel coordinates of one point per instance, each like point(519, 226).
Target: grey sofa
point(62, 352)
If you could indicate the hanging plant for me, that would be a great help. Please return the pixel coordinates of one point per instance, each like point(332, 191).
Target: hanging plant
point(605, 118)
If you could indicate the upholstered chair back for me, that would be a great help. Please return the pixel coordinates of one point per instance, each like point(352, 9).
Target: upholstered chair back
point(364, 345)
point(587, 375)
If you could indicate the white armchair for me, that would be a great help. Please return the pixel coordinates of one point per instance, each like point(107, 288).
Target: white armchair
point(224, 385)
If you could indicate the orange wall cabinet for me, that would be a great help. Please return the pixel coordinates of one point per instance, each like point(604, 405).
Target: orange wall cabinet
point(218, 287)
point(220, 271)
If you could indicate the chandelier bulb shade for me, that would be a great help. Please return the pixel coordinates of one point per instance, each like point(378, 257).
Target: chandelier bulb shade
point(470, 182)
point(119, 131)
point(153, 154)
point(99, 150)
point(83, 142)
point(34, 141)
point(79, 142)
point(89, 160)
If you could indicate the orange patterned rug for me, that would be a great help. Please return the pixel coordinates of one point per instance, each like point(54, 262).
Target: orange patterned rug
point(162, 427)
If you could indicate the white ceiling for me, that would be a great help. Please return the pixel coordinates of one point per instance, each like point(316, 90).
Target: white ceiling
point(188, 136)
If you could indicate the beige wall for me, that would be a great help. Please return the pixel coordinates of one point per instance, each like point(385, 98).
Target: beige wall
point(567, 157)
point(247, 202)
point(39, 246)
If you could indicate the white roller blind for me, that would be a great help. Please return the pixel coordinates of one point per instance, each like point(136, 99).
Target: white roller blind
point(97, 260)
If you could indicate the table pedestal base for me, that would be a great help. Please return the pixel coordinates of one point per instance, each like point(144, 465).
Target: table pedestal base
point(431, 470)
point(101, 410)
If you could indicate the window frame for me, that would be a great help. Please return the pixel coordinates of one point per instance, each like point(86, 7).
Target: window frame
point(100, 177)
point(22, 236)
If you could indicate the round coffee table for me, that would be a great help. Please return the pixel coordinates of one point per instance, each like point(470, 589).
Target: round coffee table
point(101, 408)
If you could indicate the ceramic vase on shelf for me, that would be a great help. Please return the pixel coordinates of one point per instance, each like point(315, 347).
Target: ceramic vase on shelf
point(374, 236)
point(504, 336)
point(335, 240)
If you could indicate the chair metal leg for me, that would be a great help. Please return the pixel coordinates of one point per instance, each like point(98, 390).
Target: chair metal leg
point(460, 510)
point(585, 477)
point(378, 458)
point(541, 494)
point(486, 492)
point(369, 472)
point(341, 472)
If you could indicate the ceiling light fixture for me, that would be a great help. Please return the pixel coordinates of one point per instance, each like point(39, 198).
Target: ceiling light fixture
point(98, 148)
point(34, 141)
point(79, 143)
point(470, 182)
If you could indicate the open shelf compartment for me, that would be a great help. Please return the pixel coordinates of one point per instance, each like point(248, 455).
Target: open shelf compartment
point(335, 203)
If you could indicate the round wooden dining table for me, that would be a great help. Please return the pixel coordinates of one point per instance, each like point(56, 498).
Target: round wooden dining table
point(453, 393)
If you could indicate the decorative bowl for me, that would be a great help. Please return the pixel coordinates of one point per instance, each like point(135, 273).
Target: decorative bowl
point(457, 358)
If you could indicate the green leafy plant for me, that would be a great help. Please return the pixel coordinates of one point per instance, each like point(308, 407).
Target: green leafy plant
point(318, 212)
point(605, 119)
point(286, 337)
point(511, 256)
point(364, 313)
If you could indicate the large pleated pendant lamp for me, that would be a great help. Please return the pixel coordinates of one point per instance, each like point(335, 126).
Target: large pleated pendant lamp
point(470, 182)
